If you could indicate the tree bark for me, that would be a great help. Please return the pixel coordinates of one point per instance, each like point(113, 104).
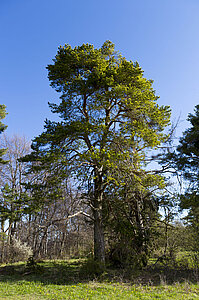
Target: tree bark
point(99, 243)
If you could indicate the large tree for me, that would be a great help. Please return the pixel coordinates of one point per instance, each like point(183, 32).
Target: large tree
point(109, 119)
point(186, 161)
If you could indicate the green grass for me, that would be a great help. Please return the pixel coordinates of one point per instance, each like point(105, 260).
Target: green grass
point(74, 280)
point(94, 290)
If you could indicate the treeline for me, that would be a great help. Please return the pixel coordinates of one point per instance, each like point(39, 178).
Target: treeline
point(98, 182)
point(34, 224)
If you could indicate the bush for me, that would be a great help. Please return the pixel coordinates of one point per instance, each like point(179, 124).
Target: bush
point(19, 251)
point(92, 268)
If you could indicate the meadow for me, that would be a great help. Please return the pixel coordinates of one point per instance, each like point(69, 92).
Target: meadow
point(77, 279)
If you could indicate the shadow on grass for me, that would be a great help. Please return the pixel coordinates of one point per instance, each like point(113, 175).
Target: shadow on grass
point(47, 272)
point(81, 271)
point(160, 275)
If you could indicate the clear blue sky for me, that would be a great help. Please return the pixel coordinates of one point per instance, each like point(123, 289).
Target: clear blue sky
point(162, 35)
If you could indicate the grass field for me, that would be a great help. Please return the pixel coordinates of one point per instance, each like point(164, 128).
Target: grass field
point(75, 280)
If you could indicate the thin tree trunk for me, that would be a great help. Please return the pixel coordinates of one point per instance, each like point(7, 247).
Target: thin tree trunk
point(2, 241)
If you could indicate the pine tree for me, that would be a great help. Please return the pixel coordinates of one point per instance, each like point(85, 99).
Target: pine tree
point(109, 119)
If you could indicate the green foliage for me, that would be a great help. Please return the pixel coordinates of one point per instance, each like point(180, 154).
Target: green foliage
point(186, 161)
point(13, 204)
point(131, 227)
point(188, 151)
point(2, 116)
point(108, 110)
point(91, 269)
point(2, 128)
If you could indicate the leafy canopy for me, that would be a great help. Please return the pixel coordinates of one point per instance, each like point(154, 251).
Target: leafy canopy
point(108, 112)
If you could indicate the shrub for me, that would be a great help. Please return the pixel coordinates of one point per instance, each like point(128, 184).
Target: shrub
point(19, 251)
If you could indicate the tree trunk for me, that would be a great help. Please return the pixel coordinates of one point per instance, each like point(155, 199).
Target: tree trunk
point(2, 242)
point(99, 243)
